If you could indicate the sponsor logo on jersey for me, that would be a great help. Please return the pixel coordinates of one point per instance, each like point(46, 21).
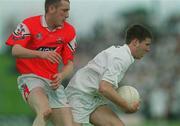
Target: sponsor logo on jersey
point(46, 49)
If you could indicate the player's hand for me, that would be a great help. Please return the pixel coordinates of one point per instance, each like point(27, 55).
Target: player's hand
point(56, 81)
point(52, 56)
point(133, 108)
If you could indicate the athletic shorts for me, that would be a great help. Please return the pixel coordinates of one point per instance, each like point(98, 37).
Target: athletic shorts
point(83, 104)
point(27, 82)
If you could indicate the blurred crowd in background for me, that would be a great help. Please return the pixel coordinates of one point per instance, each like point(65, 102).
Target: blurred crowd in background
point(156, 76)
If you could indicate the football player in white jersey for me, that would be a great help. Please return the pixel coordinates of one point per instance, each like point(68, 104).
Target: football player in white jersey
point(96, 83)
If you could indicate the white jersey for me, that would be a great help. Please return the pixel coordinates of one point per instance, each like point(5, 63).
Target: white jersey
point(109, 65)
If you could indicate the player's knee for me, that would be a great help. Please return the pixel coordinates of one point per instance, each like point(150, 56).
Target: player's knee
point(45, 114)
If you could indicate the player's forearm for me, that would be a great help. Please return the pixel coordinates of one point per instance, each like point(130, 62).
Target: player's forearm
point(67, 69)
point(21, 52)
point(110, 93)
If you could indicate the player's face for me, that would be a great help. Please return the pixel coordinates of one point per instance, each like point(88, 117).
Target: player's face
point(142, 48)
point(61, 12)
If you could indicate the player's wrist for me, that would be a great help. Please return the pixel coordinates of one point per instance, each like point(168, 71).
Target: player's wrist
point(38, 54)
point(124, 105)
point(63, 76)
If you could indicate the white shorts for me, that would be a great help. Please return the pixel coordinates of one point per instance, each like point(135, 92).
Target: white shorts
point(83, 104)
point(28, 82)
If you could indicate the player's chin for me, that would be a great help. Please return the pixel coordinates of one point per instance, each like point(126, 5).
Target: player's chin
point(132, 111)
point(60, 23)
point(140, 57)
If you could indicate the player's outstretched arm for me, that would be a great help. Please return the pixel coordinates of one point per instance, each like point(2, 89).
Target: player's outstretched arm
point(21, 52)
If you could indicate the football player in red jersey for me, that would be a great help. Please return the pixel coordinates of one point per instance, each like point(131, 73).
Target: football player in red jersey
point(40, 43)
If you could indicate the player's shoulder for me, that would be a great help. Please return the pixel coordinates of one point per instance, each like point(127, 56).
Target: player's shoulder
point(71, 36)
point(69, 26)
point(112, 49)
point(118, 52)
point(32, 19)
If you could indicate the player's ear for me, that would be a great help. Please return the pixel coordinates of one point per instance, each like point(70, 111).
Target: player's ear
point(135, 42)
point(52, 9)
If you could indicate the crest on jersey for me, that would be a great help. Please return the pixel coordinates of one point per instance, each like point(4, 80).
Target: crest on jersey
point(21, 32)
point(72, 45)
point(59, 41)
point(39, 36)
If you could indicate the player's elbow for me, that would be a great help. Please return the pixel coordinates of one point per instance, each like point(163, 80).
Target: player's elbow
point(103, 88)
point(70, 66)
point(15, 50)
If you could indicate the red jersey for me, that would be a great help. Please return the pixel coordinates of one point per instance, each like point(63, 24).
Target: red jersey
point(34, 34)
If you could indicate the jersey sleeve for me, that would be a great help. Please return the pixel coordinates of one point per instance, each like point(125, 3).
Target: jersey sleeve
point(68, 51)
point(112, 72)
point(21, 36)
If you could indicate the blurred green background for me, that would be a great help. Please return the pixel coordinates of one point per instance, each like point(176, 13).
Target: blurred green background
point(100, 24)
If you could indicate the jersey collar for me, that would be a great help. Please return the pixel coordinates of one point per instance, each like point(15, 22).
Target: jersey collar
point(129, 52)
point(43, 21)
point(44, 24)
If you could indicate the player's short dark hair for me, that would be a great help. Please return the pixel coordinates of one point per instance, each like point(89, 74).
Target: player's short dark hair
point(137, 31)
point(52, 2)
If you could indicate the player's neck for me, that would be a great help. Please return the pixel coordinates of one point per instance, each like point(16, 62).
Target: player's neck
point(132, 49)
point(50, 23)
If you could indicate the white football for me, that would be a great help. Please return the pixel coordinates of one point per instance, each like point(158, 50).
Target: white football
point(129, 93)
